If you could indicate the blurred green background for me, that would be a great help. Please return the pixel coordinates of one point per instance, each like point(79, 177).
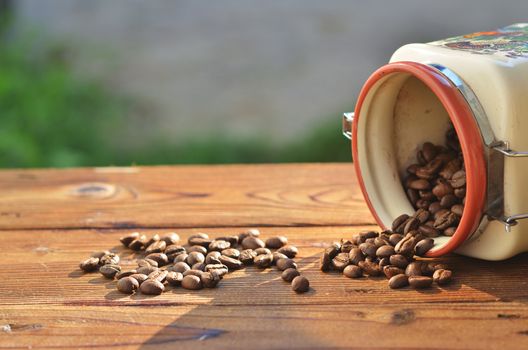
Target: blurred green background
point(93, 83)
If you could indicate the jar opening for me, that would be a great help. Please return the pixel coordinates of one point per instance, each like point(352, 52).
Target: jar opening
point(401, 106)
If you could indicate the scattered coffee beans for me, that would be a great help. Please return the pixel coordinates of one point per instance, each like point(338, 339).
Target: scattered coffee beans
point(127, 285)
point(300, 284)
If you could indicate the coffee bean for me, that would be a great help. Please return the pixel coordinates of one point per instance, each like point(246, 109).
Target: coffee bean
point(353, 271)
point(346, 245)
point(221, 269)
point(422, 215)
point(138, 243)
point(450, 168)
point(355, 256)
point(197, 273)
point(197, 248)
point(442, 277)
point(195, 257)
point(233, 240)
point(283, 264)
point(391, 271)
point(434, 207)
point(263, 261)
point(411, 225)
point(199, 239)
point(210, 279)
point(428, 231)
point(173, 250)
point(413, 196)
point(213, 257)
point(252, 232)
point(385, 251)
point(370, 268)
point(419, 282)
point(429, 151)
point(300, 284)
point(445, 220)
point(439, 213)
point(247, 256)
point(261, 251)
point(406, 245)
point(399, 260)
point(449, 231)
point(368, 249)
point(219, 245)
point(232, 264)
point(457, 209)
point(276, 242)
point(139, 277)
point(395, 238)
point(399, 223)
point(126, 240)
point(192, 282)
point(289, 274)
point(458, 179)
point(419, 184)
point(174, 278)
point(198, 266)
point(100, 254)
point(158, 275)
point(231, 252)
point(127, 285)
point(364, 235)
point(180, 267)
point(146, 270)
point(423, 246)
point(398, 281)
point(151, 287)
point(90, 264)
point(124, 274)
point(460, 192)
point(448, 201)
point(109, 270)
point(181, 258)
point(422, 203)
point(414, 269)
point(147, 262)
point(252, 242)
point(171, 238)
point(289, 250)
point(161, 259)
point(111, 258)
point(340, 261)
point(442, 189)
point(152, 240)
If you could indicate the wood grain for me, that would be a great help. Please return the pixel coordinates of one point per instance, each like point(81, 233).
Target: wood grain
point(186, 196)
point(46, 302)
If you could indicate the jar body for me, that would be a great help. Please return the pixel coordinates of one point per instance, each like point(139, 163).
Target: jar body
point(408, 113)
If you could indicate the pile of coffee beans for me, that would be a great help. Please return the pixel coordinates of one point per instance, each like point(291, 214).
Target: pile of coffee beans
point(436, 187)
point(386, 253)
point(202, 263)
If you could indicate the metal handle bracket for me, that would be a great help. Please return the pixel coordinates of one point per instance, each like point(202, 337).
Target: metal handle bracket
point(348, 119)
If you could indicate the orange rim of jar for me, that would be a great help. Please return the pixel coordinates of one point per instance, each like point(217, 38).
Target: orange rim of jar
point(469, 136)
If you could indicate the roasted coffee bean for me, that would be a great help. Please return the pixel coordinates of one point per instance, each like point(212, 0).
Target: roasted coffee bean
point(364, 235)
point(247, 256)
point(434, 208)
point(252, 242)
point(153, 240)
point(277, 256)
point(232, 264)
point(161, 259)
point(192, 282)
point(220, 268)
point(289, 250)
point(460, 192)
point(419, 282)
point(419, 184)
point(174, 278)
point(370, 268)
point(439, 213)
point(411, 169)
point(423, 246)
point(195, 257)
point(199, 239)
point(449, 231)
point(123, 274)
point(180, 267)
point(380, 241)
point(448, 201)
point(340, 261)
point(325, 262)
point(413, 196)
point(422, 215)
point(395, 238)
point(191, 272)
point(263, 260)
point(198, 266)
point(197, 248)
point(173, 250)
point(458, 179)
point(213, 257)
point(138, 243)
point(443, 188)
point(353, 271)
point(111, 258)
point(300, 284)
point(147, 262)
point(406, 245)
point(219, 245)
point(445, 220)
point(414, 269)
point(109, 270)
point(276, 242)
point(385, 251)
point(429, 151)
point(283, 264)
point(126, 240)
point(428, 231)
point(140, 277)
point(146, 270)
point(180, 258)
point(289, 274)
point(231, 252)
point(383, 262)
point(151, 287)
point(391, 271)
point(450, 168)
point(233, 240)
point(100, 254)
point(346, 245)
point(210, 279)
point(422, 203)
point(457, 209)
point(442, 277)
point(90, 264)
point(252, 232)
point(399, 223)
point(368, 249)
point(171, 238)
point(261, 251)
point(158, 275)
point(127, 285)
point(399, 260)
point(398, 281)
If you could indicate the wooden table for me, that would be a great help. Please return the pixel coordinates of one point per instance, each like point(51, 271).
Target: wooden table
point(51, 219)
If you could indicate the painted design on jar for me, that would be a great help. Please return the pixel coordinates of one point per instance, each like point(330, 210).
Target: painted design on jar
point(510, 42)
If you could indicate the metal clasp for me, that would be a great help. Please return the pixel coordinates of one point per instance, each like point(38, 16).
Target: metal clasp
point(348, 119)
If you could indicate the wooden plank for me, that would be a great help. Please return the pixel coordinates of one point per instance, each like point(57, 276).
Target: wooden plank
point(46, 302)
point(185, 196)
